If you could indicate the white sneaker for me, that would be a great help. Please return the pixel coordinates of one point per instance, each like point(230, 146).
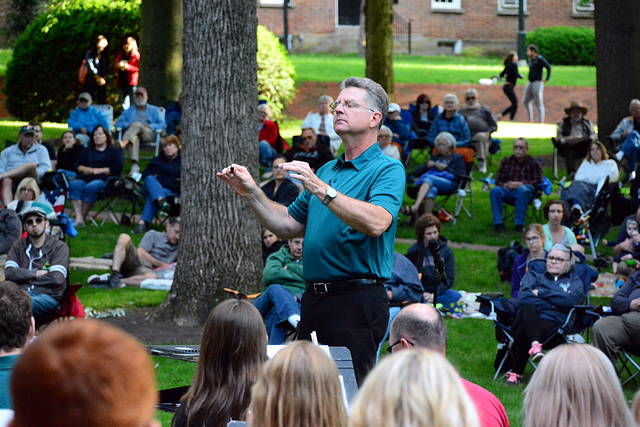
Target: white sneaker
point(619, 155)
point(482, 166)
point(101, 279)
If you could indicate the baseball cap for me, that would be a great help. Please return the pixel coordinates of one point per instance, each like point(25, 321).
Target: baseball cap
point(27, 129)
point(394, 107)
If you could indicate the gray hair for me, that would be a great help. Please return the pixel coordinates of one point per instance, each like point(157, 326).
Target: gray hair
point(266, 107)
point(448, 138)
point(633, 101)
point(377, 98)
point(325, 98)
point(452, 97)
point(386, 129)
point(526, 143)
point(471, 91)
point(565, 250)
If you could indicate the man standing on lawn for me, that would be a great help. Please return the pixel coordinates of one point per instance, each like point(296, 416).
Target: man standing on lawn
point(535, 86)
point(39, 264)
point(420, 325)
point(348, 215)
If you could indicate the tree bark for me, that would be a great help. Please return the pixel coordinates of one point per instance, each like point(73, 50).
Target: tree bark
point(379, 43)
point(161, 49)
point(220, 237)
point(617, 26)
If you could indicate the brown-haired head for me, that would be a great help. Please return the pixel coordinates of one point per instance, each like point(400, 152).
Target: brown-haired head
point(15, 317)
point(84, 373)
point(426, 221)
point(547, 206)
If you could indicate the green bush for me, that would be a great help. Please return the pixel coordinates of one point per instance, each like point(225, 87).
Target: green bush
point(42, 78)
point(275, 72)
point(565, 45)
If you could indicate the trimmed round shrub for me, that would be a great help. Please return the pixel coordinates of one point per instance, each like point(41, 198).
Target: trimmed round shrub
point(42, 78)
point(275, 72)
point(565, 45)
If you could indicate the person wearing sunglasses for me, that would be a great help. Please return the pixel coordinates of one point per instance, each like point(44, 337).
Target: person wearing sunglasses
point(544, 302)
point(39, 263)
point(482, 123)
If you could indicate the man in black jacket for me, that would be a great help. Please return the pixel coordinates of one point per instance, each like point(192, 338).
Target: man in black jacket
point(39, 264)
point(535, 86)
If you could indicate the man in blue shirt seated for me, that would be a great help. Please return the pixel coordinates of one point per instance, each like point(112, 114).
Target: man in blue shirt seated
point(84, 118)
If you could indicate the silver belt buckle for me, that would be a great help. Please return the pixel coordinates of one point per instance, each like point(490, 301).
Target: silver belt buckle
point(320, 288)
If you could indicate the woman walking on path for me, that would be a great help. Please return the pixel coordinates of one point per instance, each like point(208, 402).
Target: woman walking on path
point(512, 75)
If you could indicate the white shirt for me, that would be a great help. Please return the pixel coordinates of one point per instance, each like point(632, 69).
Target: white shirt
point(592, 173)
point(392, 151)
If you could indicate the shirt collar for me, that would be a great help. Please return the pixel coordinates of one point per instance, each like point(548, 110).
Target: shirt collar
point(360, 162)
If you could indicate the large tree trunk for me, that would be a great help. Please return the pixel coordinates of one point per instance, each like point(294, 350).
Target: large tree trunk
point(220, 238)
point(379, 43)
point(617, 25)
point(161, 49)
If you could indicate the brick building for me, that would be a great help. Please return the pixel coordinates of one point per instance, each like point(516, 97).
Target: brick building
point(332, 25)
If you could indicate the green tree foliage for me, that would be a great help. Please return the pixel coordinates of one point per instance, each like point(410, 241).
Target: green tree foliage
point(42, 78)
point(565, 45)
point(21, 13)
point(275, 72)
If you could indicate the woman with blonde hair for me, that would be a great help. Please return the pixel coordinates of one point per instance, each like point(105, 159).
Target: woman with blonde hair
point(299, 387)
point(28, 193)
point(575, 385)
point(233, 351)
point(417, 387)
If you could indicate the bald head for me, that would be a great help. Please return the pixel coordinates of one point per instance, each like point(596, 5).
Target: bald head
point(422, 325)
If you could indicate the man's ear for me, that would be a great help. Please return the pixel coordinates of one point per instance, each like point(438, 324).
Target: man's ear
point(32, 329)
point(405, 344)
point(376, 118)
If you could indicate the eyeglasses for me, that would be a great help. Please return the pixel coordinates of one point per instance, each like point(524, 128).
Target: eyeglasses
point(390, 348)
point(555, 259)
point(532, 238)
point(348, 104)
point(34, 221)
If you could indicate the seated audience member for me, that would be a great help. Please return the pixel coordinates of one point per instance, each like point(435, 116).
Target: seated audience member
point(543, 305)
point(161, 179)
point(384, 138)
point(626, 136)
point(84, 119)
point(131, 266)
point(39, 263)
point(310, 151)
point(26, 158)
point(421, 326)
point(284, 284)
point(68, 155)
point(428, 227)
point(17, 327)
point(27, 193)
point(625, 241)
point(450, 121)
point(518, 177)
point(322, 123)
point(413, 388)
point(174, 117)
point(221, 387)
point(581, 194)
point(575, 385)
point(482, 123)
point(400, 129)
point(140, 122)
point(96, 164)
point(298, 387)
point(574, 137)
point(37, 129)
point(280, 189)
point(10, 229)
point(423, 116)
point(633, 252)
point(534, 239)
point(270, 244)
point(268, 137)
point(84, 373)
point(621, 330)
point(442, 174)
point(555, 212)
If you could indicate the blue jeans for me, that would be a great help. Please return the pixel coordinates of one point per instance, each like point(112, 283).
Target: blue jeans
point(69, 174)
point(85, 191)
point(520, 198)
point(436, 184)
point(41, 303)
point(152, 190)
point(631, 149)
point(267, 154)
point(275, 305)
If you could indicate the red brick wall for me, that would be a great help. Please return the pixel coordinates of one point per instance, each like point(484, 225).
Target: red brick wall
point(480, 20)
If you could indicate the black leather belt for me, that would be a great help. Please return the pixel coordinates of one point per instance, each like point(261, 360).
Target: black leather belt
point(343, 285)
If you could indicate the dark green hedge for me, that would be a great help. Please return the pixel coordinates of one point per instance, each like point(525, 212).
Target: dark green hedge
point(565, 45)
point(42, 78)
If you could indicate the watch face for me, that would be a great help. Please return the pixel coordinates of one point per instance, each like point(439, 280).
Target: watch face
point(331, 192)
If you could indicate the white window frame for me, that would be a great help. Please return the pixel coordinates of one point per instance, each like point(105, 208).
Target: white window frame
point(274, 3)
point(446, 4)
point(510, 6)
point(578, 9)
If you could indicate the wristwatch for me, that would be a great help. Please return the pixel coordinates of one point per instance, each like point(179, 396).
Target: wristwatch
point(330, 195)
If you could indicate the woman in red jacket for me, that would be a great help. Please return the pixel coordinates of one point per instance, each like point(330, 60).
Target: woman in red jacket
point(127, 70)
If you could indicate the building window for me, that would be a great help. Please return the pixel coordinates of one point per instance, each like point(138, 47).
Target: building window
point(583, 7)
point(446, 4)
point(510, 6)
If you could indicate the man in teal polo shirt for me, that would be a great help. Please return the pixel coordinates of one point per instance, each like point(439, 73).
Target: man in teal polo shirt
point(347, 214)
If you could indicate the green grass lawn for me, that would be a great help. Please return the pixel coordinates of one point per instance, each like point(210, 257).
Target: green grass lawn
point(427, 69)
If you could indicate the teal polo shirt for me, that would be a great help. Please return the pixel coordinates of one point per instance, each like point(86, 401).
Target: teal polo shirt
point(335, 251)
point(6, 366)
